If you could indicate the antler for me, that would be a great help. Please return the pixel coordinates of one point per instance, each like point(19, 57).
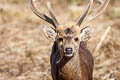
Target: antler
point(44, 17)
point(86, 17)
point(97, 11)
point(51, 13)
point(85, 13)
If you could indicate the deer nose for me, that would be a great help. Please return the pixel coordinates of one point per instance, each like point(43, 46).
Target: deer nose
point(68, 50)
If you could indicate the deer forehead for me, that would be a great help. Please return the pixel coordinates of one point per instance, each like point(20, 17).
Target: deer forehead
point(63, 30)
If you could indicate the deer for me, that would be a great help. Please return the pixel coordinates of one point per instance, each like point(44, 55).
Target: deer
point(70, 57)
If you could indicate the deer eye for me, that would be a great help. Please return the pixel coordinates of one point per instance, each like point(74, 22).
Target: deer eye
point(60, 39)
point(76, 39)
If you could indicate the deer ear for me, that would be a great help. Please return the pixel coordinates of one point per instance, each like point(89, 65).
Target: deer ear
point(86, 33)
point(49, 33)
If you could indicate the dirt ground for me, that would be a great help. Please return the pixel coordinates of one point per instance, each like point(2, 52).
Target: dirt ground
point(25, 52)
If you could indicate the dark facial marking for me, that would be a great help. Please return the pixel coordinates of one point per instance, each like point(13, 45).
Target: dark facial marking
point(68, 31)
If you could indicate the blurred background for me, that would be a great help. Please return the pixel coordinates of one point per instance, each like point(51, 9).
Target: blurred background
point(25, 52)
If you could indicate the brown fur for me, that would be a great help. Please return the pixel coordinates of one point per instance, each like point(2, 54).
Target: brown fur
point(70, 58)
point(78, 67)
point(61, 30)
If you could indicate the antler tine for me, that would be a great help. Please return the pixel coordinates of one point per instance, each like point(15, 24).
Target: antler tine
point(41, 15)
point(85, 13)
point(97, 12)
point(50, 10)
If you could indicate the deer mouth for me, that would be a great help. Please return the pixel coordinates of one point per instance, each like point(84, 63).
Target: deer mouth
point(69, 55)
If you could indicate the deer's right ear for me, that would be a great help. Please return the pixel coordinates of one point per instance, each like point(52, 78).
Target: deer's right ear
point(50, 33)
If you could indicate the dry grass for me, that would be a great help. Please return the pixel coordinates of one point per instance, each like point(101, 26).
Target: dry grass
point(23, 51)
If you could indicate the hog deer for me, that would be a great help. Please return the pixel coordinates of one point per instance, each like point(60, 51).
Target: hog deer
point(70, 57)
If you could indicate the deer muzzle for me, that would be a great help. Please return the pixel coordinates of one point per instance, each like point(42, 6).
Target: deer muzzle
point(69, 52)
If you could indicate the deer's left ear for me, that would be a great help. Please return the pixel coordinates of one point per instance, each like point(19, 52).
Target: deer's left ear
point(86, 33)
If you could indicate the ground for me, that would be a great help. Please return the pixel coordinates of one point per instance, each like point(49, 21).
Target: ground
point(25, 52)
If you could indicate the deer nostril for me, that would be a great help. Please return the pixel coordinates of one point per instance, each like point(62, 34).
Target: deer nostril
point(68, 50)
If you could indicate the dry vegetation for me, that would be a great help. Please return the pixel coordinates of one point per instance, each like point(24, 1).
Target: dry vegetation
point(24, 51)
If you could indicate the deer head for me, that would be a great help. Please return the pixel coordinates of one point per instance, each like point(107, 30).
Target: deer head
point(68, 37)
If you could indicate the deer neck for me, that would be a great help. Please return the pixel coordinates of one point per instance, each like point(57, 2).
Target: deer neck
point(76, 68)
point(71, 69)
